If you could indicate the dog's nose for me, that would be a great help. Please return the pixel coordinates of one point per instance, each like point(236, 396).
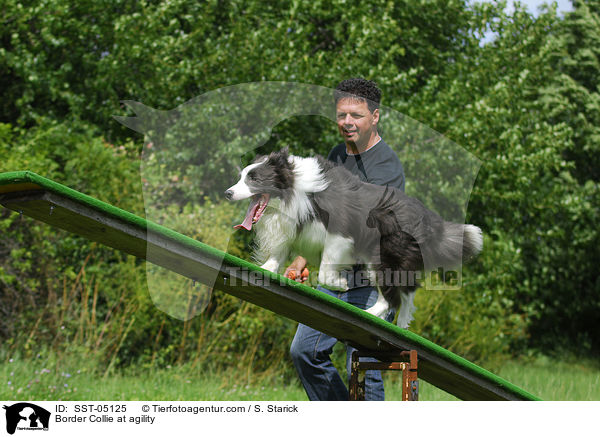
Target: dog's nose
point(228, 194)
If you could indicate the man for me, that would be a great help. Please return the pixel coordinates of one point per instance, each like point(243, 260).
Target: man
point(365, 154)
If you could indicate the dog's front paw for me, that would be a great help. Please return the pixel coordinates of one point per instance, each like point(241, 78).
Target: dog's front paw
point(272, 265)
point(333, 280)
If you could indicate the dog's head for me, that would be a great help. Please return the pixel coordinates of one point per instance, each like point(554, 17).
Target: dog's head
point(268, 176)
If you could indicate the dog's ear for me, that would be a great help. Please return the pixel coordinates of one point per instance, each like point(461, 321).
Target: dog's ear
point(285, 152)
point(279, 158)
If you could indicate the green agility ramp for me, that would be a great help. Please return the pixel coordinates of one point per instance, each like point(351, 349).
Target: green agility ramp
point(65, 208)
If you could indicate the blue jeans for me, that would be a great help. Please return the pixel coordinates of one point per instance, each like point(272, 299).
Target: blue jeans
point(311, 354)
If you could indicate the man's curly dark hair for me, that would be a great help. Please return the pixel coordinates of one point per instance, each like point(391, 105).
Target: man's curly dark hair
point(360, 88)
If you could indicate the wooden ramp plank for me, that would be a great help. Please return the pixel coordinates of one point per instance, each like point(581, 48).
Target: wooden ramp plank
point(62, 207)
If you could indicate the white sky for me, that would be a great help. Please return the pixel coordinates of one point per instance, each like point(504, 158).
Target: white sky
point(532, 5)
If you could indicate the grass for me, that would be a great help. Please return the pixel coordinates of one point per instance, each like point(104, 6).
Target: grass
point(73, 379)
point(555, 380)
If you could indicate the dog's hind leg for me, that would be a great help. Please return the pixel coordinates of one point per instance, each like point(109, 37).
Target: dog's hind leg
point(381, 307)
point(407, 308)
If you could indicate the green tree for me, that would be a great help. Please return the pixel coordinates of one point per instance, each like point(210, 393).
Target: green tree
point(527, 105)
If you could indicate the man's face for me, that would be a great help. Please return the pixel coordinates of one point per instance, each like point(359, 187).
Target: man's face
point(355, 122)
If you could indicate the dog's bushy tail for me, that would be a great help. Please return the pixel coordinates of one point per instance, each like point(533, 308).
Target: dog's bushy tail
point(472, 241)
point(458, 243)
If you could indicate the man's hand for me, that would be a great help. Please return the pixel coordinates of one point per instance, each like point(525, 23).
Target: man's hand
point(297, 270)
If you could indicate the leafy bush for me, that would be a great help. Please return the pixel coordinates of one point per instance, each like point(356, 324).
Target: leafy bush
point(90, 297)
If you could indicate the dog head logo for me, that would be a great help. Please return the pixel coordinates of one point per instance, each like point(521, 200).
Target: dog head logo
point(26, 416)
point(198, 149)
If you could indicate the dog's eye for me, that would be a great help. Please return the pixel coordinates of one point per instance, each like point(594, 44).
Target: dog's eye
point(251, 176)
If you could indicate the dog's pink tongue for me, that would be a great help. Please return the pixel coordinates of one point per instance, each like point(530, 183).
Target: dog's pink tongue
point(247, 223)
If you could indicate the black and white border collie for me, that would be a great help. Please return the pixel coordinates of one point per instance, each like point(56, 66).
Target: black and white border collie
point(317, 209)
